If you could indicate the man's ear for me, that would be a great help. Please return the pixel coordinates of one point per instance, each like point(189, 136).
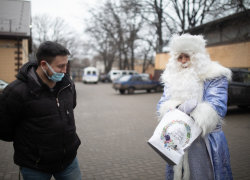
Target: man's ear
point(43, 64)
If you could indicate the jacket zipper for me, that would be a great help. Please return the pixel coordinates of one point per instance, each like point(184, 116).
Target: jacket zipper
point(37, 161)
point(67, 112)
point(58, 105)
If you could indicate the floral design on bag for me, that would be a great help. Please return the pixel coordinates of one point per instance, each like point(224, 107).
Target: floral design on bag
point(176, 135)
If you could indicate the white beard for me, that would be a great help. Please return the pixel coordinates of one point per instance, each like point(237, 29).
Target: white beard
point(182, 80)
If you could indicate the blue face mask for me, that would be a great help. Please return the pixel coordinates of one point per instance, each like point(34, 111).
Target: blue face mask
point(56, 77)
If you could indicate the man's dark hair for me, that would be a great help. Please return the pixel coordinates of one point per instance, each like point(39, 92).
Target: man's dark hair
point(49, 50)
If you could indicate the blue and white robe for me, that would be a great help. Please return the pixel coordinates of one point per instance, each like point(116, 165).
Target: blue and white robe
point(208, 156)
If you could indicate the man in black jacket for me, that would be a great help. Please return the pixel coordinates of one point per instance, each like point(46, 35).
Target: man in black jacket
point(36, 113)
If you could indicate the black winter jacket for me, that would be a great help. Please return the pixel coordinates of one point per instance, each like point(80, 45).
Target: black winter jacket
point(40, 124)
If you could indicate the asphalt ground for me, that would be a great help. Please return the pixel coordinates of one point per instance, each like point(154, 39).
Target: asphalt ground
point(114, 130)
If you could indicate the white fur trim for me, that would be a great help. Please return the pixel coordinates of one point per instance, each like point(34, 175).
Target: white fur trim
point(205, 117)
point(200, 96)
point(178, 170)
point(187, 43)
point(216, 70)
point(186, 174)
point(165, 106)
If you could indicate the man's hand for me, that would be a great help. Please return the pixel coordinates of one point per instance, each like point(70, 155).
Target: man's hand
point(188, 106)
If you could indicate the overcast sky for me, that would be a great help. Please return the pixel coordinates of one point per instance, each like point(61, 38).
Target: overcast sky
point(72, 11)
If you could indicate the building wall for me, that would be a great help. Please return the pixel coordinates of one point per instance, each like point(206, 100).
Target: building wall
point(8, 58)
point(231, 55)
point(161, 60)
point(100, 66)
point(25, 50)
point(150, 70)
point(227, 32)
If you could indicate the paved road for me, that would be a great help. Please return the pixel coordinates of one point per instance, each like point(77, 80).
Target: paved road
point(114, 130)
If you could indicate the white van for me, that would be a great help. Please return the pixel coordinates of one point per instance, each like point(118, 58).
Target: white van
point(116, 74)
point(90, 75)
point(129, 72)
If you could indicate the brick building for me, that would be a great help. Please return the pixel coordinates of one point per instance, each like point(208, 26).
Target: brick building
point(15, 37)
point(228, 42)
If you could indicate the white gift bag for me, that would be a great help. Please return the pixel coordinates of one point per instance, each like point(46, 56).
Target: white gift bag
point(173, 135)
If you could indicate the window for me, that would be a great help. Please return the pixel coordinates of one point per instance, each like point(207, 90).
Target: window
point(124, 73)
point(130, 73)
point(88, 72)
point(236, 77)
point(135, 79)
point(124, 78)
point(114, 73)
point(145, 78)
point(246, 77)
point(94, 72)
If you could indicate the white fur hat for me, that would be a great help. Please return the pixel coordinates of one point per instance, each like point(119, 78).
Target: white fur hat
point(187, 43)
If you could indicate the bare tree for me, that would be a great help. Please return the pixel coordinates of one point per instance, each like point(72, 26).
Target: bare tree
point(191, 13)
point(125, 29)
point(77, 65)
point(226, 7)
point(46, 28)
point(164, 25)
point(173, 16)
point(148, 52)
point(102, 43)
point(134, 23)
point(118, 25)
point(127, 21)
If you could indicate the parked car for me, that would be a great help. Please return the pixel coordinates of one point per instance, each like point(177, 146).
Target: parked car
point(2, 85)
point(131, 83)
point(145, 74)
point(105, 78)
point(90, 75)
point(116, 74)
point(239, 88)
point(128, 72)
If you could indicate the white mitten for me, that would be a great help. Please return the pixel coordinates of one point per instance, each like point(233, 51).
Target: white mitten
point(188, 106)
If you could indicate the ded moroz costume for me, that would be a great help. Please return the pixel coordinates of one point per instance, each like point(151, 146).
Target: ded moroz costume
point(207, 82)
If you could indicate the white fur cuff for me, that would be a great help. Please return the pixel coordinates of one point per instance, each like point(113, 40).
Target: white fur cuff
point(206, 117)
point(165, 106)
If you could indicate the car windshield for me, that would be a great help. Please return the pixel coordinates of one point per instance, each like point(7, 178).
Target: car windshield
point(246, 77)
point(124, 78)
point(144, 78)
point(236, 77)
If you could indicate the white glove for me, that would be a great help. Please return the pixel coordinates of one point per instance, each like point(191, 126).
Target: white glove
point(188, 106)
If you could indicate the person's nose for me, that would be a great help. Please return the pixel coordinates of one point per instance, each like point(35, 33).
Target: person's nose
point(183, 61)
point(64, 70)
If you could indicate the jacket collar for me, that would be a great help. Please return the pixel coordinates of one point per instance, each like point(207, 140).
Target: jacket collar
point(28, 74)
point(216, 70)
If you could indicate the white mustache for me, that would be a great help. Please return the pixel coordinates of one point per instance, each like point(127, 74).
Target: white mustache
point(185, 65)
